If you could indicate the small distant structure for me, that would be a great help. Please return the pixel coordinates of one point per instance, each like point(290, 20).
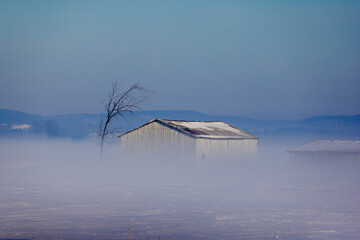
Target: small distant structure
point(21, 127)
point(199, 140)
point(328, 149)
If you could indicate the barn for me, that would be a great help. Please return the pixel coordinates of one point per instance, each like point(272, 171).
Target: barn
point(338, 150)
point(200, 140)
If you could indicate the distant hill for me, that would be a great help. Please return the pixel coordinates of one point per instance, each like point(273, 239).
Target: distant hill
point(79, 126)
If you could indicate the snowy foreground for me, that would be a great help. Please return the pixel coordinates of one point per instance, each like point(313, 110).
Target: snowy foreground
point(62, 190)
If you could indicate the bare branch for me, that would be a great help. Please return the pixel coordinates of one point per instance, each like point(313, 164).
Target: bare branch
point(119, 104)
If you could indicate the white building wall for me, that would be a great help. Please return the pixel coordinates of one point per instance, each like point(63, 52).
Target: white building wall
point(226, 148)
point(157, 141)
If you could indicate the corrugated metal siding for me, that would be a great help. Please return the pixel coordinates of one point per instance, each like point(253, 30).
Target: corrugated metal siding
point(157, 141)
point(226, 148)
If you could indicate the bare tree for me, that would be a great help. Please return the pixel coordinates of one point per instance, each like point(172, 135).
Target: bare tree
point(119, 104)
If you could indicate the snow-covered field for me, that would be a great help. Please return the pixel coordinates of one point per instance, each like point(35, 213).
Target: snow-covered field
point(52, 189)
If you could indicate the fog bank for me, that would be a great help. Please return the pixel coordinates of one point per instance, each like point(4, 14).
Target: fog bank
point(63, 189)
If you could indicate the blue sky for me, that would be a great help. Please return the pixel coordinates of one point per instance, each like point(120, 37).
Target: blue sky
point(261, 59)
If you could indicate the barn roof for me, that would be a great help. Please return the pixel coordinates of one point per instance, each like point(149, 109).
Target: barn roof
point(343, 146)
point(204, 129)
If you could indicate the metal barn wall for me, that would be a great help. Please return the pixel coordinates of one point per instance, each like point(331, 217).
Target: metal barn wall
point(226, 148)
point(157, 141)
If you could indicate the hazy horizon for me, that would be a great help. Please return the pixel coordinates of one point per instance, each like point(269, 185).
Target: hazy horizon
point(185, 110)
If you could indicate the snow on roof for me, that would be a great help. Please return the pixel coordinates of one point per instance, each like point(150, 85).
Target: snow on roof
point(212, 129)
point(330, 146)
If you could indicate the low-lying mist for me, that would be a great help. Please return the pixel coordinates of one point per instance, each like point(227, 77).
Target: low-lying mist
point(64, 189)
